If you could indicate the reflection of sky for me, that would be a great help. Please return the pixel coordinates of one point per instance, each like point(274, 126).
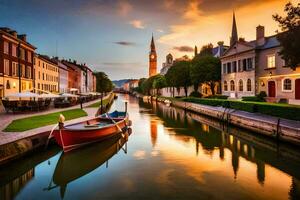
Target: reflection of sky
point(171, 169)
point(114, 35)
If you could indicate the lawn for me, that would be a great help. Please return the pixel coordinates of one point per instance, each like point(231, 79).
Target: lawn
point(97, 104)
point(28, 123)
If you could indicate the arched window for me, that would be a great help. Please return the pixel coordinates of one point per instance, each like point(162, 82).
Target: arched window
point(225, 86)
point(232, 88)
point(287, 84)
point(241, 85)
point(249, 85)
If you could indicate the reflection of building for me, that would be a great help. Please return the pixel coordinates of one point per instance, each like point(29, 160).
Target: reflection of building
point(152, 59)
point(153, 132)
point(16, 62)
point(46, 73)
point(10, 190)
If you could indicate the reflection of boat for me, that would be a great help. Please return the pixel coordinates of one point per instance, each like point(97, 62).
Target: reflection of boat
point(115, 96)
point(79, 134)
point(78, 163)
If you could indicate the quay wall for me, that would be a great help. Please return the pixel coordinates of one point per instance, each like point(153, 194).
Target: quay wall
point(280, 129)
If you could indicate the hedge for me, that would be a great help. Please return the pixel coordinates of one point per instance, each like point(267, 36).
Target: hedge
point(253, 98)
point(277, 110)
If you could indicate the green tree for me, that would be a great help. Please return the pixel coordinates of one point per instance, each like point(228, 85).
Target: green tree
point(206, 69)
point(179, 75)
point(206, 50)
point(159, 83)
point(290, 37)
point(103, 85)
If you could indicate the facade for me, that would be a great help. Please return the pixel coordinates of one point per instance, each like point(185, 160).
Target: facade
point(167, 64)
point(152, 59)
point(130, 85)
point(249, 68)
point(90, 80)
point(46, 74)
point(74, 76)
point(63, 77)
point(16, 63)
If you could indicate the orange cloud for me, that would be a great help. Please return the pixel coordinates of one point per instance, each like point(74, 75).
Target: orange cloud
point(137, 24)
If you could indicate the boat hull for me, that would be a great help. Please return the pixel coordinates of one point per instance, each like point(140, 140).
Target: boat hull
point(70, 139)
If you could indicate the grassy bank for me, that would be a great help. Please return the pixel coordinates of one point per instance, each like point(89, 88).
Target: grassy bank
point(28, 123)
point(286, 111)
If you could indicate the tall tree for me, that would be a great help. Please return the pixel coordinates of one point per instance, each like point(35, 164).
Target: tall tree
point(290, 37)
point(207, 70)
point(159, 83)
point(103, 85)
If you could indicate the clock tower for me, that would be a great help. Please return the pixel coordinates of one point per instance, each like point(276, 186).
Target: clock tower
point(152, 59)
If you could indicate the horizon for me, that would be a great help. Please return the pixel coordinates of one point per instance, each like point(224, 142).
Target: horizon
point(114, 37)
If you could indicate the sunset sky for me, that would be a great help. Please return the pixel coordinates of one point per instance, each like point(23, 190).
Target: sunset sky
point(114, 35)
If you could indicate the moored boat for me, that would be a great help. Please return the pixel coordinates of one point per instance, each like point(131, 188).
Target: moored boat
point(76, 135)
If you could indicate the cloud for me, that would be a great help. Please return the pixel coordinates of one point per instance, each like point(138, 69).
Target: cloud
point(124, 8)
point(121, 64)
point(184, 49)
point(125, 43)
point(160, 30)
point(137, 24)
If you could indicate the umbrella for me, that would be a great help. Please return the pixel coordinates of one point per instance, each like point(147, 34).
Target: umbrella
point(23, 95)
point(49, 95)
point(68, 95)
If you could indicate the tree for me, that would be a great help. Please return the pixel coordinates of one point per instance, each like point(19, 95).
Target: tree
point(206, 50)
point(206, 69)
point(179, 75)
point(290, 37)
point(103, 85)
point(159, 83)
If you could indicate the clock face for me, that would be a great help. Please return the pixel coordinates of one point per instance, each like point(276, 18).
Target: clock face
point(152, 56)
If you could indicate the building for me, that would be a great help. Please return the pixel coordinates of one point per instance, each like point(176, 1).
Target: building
point(90, 80)
point(130, 85)
point(74, 76)
point(46, 74)
point(16, 62)
point(166, 65)
point(63, 77)
point(152, 59)
point(249, 68)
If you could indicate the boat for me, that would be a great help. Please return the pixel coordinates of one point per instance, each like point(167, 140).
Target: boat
point(79, 134)
point(90, 158)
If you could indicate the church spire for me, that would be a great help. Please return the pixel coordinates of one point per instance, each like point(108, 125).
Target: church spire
point(234, 34)
point(196, 51)
point(152, 44)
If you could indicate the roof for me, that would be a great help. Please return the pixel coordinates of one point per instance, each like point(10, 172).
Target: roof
point(8, 32)
point(46, 58)
point(270, 43)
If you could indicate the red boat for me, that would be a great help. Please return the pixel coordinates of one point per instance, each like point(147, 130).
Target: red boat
point(76, 135)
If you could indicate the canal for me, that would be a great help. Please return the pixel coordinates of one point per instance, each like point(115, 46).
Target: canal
point(170, 154)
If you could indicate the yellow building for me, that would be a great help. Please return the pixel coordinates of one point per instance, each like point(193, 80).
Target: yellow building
point(46, 74)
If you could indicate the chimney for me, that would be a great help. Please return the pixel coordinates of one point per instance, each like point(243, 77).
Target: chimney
point(260, 35)
point(22, 37)
point(14, 33)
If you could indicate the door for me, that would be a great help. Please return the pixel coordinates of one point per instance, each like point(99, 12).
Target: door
point(297, 89)
point(271, 89)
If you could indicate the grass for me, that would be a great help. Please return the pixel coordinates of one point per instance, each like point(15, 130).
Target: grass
point(29, 123)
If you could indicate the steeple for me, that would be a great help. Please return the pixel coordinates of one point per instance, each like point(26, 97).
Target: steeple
point(234, 34)
point(196, 51)
point(152, 44)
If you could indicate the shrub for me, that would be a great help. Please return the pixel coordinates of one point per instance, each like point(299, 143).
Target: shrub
point(217, 96)
point(280, 110)
point(262, 95)
point(195, 94)
point(209, 102)
point(244, 106)
point(252, 98)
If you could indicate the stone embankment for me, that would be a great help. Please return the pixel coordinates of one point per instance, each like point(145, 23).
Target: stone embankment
point(278, 128)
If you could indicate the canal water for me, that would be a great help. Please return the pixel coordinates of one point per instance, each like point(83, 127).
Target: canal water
point(170, 154)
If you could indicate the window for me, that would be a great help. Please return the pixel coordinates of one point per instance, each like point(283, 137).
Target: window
point(249, 85)
point(225, 86)
point(28, 72)
point(287, 84)
point(7, 84)
point(22, 54)
point(240, 69)
point(23, 85)
point(23, 71)
point(234, 66)
point(15, 69)
point(14, 50)
point(244, 64)
point(232, 88)
point(271, 61)
point(249, 64)
point(6, 67)
point(29, 57)
point(241, 85)
point(229, 68)
point(6, 47)
point(39, 75)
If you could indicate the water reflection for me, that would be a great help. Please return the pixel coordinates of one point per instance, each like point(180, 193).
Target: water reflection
point(211, 136)
point(75, 164)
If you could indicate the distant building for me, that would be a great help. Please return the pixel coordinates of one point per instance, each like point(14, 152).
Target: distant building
point(16, 62)
point(152, 59)
point(63, 77)
point(74, 76)
point(130, 85)
point(167, 64)
point(46, 74)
